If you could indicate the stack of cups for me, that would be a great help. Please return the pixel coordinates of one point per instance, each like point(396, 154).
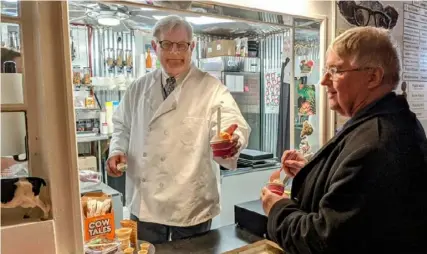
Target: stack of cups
point(128, 250)
point(144, 248)
point(123, 235)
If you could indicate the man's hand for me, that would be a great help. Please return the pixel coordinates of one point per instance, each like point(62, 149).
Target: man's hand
point(268, 199)
point(292, 162)
point(236, 145)
point(112, 164)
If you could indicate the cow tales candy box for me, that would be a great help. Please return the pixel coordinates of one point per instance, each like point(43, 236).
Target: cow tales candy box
point(98, 217)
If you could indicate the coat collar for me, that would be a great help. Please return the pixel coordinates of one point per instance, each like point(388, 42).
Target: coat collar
point(154, 95)
point(387, 105)
point(179, 79)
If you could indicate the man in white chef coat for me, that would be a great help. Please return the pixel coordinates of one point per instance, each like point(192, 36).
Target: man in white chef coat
point(162, 130)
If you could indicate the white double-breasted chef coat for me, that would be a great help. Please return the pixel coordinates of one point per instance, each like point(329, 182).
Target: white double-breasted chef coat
point(171, 177)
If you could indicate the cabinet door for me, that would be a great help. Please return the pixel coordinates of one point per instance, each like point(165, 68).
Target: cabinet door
point(240, 188)
point(38, 123)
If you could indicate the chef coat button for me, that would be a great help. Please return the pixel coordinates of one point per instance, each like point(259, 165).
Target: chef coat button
point(166, 132)
point(144, 155)
point(162, 158)
point(143, 180)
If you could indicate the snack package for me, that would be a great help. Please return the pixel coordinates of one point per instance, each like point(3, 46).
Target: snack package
point(134, 234)
point(98, 217)
point(101, 245)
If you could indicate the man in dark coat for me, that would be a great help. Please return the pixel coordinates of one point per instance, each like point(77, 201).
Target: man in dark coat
point(365, 191)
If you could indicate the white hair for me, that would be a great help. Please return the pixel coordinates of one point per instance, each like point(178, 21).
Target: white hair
point(370, 47)
point(170, 23)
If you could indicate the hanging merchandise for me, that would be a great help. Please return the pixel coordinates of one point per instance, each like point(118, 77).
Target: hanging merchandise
point(304, 146)
point(306, 98)
point(129, 61)
point(73, 48)
point(119, 60)
point(109, 60)
point(90, 102)
point(77, 75)
point(86, 76)
point(306, 66)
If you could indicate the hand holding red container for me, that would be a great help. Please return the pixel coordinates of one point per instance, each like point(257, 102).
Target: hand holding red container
point(276, 185)
point(226, 144)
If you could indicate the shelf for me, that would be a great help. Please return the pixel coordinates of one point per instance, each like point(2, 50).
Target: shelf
point(19, 222)
point(85, 139)
point(35, 234)
point(84, 108)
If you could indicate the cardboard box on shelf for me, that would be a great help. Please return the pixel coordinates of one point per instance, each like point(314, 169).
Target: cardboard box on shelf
point(221, 48)
point(87, 163)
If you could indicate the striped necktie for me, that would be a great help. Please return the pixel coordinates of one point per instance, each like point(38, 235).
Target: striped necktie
point(170, 86)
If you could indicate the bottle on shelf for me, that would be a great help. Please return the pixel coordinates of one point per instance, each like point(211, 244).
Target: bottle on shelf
point(148, 60)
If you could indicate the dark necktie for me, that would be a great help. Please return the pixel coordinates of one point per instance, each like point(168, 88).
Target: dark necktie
point(170, 86)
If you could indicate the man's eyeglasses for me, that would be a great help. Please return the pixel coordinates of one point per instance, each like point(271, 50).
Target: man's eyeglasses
point(168, 45)
point(332, 71)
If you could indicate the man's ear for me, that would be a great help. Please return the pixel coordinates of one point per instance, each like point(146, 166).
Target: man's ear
point(154, 45)
point(192, 45)
point(376, 76)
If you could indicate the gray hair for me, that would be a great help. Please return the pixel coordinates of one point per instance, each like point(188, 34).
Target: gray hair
point(370, 47)
point(170, 23)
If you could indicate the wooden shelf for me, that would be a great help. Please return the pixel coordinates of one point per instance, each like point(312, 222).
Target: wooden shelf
point(25, 237)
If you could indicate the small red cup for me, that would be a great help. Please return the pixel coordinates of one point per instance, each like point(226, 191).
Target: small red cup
point(222, 148)
point(276, 188)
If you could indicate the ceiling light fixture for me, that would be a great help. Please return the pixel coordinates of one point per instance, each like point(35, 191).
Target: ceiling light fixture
point(108, 21)
point(202, 20)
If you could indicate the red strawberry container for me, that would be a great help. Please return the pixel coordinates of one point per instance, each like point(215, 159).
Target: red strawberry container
point(276, 188)
point(222, 148)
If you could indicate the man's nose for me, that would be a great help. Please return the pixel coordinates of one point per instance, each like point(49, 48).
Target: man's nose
point(174, 48)
point(326, 79)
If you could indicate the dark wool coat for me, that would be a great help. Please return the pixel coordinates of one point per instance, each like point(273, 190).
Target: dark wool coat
point(365, 191)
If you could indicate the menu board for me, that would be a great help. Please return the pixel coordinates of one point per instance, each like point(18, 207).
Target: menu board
point(414, 85)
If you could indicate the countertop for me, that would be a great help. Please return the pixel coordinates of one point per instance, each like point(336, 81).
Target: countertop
point(91, 187)
point(240, 171)
point(91, 138)
point(215, 241)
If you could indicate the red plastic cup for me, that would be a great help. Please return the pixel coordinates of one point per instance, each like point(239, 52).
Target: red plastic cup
point(222, 148)
point(276, 188)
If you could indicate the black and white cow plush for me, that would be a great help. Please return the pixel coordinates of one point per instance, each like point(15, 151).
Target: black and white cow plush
point(23, 192)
